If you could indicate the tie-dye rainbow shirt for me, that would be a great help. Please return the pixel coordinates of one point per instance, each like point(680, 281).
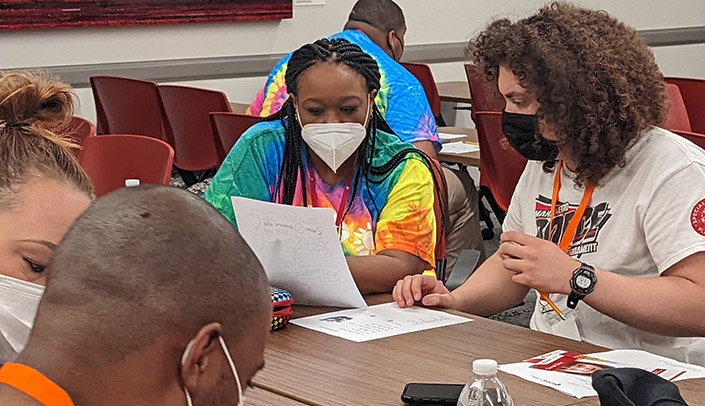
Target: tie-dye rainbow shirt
point(401, 99)
point(405, 221)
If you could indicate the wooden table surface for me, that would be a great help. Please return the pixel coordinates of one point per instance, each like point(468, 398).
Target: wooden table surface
point(319, 369)
point(470, 159)
point(261, 397)
point(455, 91)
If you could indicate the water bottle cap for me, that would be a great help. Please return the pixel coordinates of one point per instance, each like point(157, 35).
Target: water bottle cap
point(484, 366)
point(132, 182)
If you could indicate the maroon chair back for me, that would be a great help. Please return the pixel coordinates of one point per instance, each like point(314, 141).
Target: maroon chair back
point(127, 106)
point(677, 115)
point(484, 93)
point(78, 129)
point(693, 93)
point(186, 118)
point(111, 159)
point(500, 165)
point(228, 127)
point(423, 73)
point(696, 138)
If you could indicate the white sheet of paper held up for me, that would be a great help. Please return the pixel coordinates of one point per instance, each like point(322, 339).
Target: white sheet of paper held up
point(379, 321)
point(299, 250)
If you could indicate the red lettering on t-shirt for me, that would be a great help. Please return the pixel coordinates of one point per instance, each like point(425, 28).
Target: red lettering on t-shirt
point(697, 217)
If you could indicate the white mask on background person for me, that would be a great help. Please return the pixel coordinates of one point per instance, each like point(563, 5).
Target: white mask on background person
point(334, 142)
point(18, 305)
point(241, 399)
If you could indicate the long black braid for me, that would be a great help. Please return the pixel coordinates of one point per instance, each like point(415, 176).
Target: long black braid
point(334, 51)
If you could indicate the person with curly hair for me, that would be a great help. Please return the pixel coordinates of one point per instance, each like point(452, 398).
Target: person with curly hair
point(608, 217)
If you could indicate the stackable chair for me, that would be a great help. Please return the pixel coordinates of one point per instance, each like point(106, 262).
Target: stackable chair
point(500, 165)
point(109, 160)
point(127, 106)
point(186, 120)
point(484, 93)
point(423, 73)
point(677, 115)
point(78, 129)
point(485, 96)
point(227, 128)
point(693, 93)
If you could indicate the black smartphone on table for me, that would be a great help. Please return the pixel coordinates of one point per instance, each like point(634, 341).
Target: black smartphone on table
point(431, 393)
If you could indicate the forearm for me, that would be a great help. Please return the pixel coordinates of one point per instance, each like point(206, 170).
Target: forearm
point(667, 305)
point(489, 290)
point(379, 273)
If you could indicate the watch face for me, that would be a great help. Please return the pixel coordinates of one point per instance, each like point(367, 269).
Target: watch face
point(583, 281)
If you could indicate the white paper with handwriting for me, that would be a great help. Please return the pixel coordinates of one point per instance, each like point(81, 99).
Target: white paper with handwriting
point(379, 321)
point(299, 250)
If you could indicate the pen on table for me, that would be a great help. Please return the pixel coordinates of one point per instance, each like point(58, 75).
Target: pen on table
point(553, 306)
point(471, 143)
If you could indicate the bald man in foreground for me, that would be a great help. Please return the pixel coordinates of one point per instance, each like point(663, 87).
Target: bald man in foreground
point(153, 298)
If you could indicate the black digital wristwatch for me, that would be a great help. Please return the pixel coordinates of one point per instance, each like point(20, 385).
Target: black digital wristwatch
point(581, 284)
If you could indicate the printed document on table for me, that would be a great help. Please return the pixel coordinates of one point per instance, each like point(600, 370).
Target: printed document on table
point(380, 321)
point(460, 147)
point(570, 373)
point(446, 137)
point(299, 250)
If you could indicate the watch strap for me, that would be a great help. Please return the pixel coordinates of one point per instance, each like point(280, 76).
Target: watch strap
point(577, 294)
point(573, 299)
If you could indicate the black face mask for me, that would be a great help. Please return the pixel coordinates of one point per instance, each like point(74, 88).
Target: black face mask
point(520, 130)
point(391, 48)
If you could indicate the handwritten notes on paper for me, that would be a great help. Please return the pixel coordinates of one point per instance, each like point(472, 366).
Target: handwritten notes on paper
point(380, 321)
point(300, 251)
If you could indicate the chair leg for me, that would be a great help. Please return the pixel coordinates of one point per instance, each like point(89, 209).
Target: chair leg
point(498, 212)
point(190, 177)
point(488, 231)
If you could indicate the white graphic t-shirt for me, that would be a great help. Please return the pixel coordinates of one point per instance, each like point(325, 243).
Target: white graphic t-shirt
point(642, 219)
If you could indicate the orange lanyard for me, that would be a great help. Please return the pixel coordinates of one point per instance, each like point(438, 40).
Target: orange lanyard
point(572, 228)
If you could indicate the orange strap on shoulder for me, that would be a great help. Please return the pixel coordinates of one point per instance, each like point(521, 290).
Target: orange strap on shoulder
point(572, 228)
point(34, 384)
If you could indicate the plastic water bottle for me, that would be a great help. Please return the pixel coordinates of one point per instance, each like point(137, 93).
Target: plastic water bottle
point(485, 389)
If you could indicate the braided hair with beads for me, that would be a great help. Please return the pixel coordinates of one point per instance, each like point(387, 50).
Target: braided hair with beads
point(338, 51)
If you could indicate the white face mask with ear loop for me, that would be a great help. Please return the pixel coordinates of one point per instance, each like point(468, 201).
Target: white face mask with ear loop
point(19, 301)
point(240, 397)
point(334, 142)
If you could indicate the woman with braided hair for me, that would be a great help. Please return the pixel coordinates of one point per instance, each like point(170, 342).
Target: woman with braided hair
point(329, 147)
point(42, 191)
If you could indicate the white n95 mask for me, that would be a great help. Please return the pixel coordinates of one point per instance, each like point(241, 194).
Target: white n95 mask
point(18, 305)
point(334, 142)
